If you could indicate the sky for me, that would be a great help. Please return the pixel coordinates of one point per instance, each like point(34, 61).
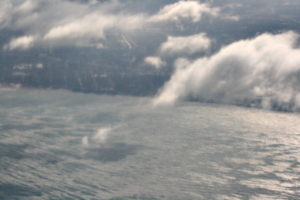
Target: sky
point(224, 51)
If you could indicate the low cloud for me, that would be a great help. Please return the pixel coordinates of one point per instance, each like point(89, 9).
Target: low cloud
point(63, 23)
point(85, 141)
point(179, 46)
point(102, 135)
point(98, 139)
point(21, 43)
point(5, 10)
point(91, 27)
point(259, 72)
point(155, 61)
point(71, 23)
point(185, 45)
point(184, 10)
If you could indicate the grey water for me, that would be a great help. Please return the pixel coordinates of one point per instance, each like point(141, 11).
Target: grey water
point(64, 145)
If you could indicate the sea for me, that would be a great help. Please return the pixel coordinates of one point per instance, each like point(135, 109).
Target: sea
point(56, 144)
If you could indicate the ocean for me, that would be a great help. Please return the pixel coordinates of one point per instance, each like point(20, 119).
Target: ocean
point(64, 145)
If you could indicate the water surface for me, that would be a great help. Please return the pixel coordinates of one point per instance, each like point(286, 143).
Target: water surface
point(63, 145)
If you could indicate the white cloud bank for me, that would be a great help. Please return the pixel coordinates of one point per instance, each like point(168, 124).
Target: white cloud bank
point(62, 23)
point(261, 72)
point(185, 45)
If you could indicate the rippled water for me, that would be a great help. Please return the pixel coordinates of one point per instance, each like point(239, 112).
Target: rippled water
point(62, 145)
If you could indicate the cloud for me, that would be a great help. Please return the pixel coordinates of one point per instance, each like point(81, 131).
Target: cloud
point(98, 139)
point(21, 43)
point(179, 46)
point(5, 10)
point(102, 135)
point(155, 61)
point(185, 45)
point(92, 27)
point(85, 141)
point(188, 10)
point(71, 23)
point(63, 23)
point(28, 6)
point(259, 72)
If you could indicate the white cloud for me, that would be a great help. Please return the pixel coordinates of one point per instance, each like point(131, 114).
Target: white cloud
point(85, 141)
point(63, 23)
point(261, 72)
point(5, 11)
point(185, 45)
point(92, 26)
point(189, 10)
point(155, 61)
point(71, 23)
point(98, 139)
point(28, 6)
point(102, 135)
point(21, 43)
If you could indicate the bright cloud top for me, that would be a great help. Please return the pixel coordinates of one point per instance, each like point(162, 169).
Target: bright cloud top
point(185, 45)
point(261, 72)
point(190, 10)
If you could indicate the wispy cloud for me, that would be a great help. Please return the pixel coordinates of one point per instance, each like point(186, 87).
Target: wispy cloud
point(98, 139)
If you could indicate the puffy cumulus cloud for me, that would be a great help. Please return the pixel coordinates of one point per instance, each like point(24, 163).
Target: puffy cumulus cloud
point(155, 61)
point(259, 72)
point(190, 10)
point(21, 43)
point(185, 45)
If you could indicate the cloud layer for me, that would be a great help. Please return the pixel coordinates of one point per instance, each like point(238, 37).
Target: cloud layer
point(260, 72)
point(71, 23)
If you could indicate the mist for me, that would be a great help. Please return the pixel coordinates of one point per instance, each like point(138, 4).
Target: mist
point(98, 139)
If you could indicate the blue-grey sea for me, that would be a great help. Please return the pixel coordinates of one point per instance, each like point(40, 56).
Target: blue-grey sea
point(64, 145)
